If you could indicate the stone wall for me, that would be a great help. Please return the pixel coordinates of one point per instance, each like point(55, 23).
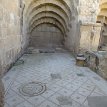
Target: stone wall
point(46, 36)
point(103, 39)
point(88, 10)
point(90, 36)
point(68, 15)
point(97, 61)
point(73, 35)
point(103, 67)
point(10, 33)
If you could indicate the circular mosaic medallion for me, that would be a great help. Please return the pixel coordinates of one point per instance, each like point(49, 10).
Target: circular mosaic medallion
point(32, 89)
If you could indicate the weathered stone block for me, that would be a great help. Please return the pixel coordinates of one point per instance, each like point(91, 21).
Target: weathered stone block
point(80, 61)
point(90, 36)
point(97, 61)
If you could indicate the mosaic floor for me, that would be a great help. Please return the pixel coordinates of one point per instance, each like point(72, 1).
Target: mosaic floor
point(66, 84)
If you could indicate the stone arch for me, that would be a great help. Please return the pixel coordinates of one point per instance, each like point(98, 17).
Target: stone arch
point(49, 16)
point(54, 12)
point(48, 20)
point(40, 23)
point(46, 35)
point(56, 2)
point(48, 6)
point(50, 13)
point(49, 9)
point(64, 3)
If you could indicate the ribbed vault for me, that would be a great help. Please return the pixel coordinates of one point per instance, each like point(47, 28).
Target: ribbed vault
point(49, 14)
point(52, 20)
point(51, 9)
point(57, 3)
point(54, 12)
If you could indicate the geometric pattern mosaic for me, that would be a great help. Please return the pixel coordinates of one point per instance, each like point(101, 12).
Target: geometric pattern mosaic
point(32, 89)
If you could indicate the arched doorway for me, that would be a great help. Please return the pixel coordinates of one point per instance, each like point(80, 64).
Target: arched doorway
point(46, 36)
point(47, 22)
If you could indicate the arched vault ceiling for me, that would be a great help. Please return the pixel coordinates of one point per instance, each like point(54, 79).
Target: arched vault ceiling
point(49, 14)
point(56, 12)
point(49, 24)
point(47, 20)
point(47, 7)
point(48, 17)
point(56, 2)
point(66, 3)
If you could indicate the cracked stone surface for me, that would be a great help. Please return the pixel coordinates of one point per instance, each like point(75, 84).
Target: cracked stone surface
point(39, 67)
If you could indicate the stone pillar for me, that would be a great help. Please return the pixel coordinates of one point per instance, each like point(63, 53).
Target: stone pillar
point(89, 37)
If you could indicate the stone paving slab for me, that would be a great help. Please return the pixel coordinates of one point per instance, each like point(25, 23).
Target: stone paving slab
point(39, 68)
point(97, 101)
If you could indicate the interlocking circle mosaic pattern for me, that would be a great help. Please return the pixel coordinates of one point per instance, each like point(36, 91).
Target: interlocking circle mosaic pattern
point(32, 89)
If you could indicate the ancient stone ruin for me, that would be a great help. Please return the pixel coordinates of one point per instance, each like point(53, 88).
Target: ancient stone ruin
point(79, 26)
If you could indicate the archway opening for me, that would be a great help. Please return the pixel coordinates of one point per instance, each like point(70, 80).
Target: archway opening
point(47, 22)
point(46, 35)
